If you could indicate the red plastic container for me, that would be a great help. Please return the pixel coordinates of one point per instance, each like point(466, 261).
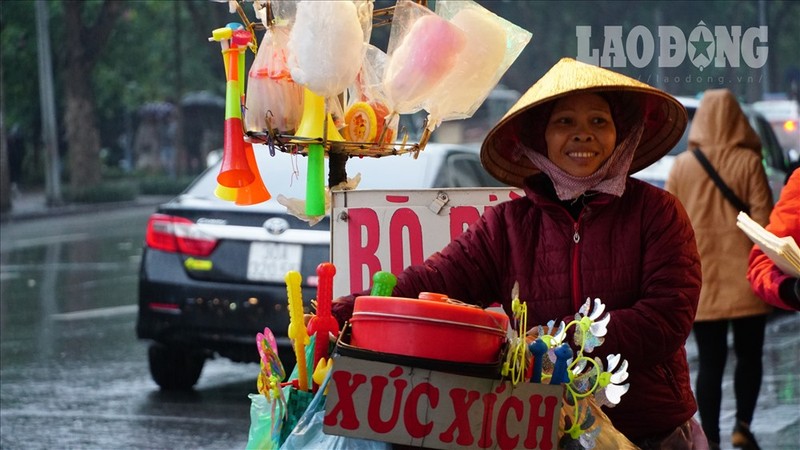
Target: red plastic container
point(428, 327)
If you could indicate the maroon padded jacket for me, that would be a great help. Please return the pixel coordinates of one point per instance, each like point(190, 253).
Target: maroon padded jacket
point(636, 253)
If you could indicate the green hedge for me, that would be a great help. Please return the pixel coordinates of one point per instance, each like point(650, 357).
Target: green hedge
point(108, 191)
point(119, 190)
point(163, 185)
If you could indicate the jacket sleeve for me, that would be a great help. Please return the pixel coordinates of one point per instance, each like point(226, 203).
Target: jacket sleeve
point(766, 278)
point(657, 325)
point(465, 269)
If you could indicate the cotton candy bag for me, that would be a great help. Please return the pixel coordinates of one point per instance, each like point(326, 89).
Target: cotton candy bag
point(326, 45)
point(423, 48)
point(493, 44)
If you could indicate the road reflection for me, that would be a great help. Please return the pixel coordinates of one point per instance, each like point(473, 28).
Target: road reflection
point(70, 362)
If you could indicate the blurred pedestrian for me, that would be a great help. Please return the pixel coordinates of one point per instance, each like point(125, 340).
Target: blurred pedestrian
point(722, 138)
point(766, 279)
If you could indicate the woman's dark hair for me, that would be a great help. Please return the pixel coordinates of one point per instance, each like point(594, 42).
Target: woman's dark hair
point(627, 110)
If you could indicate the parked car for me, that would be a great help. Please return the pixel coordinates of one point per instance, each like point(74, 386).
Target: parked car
point(773, 156)
point(199, 293)
point(784, 116)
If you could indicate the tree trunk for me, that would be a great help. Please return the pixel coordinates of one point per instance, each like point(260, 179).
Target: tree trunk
point(83, 139)
point(83, 44)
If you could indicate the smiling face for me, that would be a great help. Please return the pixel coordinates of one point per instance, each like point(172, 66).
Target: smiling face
point(580, 134)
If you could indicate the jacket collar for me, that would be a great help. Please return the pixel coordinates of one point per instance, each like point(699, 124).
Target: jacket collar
point(540, 190)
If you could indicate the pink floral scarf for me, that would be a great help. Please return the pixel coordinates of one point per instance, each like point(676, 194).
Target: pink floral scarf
point(609, 178)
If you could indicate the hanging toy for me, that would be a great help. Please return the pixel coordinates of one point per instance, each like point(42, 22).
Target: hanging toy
point(255, 192)
point(235, 171)
point(313, 125)
point(362, 124)
point(326, 45)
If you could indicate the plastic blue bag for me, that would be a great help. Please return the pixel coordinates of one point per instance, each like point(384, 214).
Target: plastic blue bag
point(265, 418)
point(271, 421)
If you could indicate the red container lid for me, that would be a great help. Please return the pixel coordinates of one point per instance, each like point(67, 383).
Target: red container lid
point(431, 306)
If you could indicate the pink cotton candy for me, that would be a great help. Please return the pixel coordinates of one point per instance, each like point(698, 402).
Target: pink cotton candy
point(475, 71)
point(427, 53)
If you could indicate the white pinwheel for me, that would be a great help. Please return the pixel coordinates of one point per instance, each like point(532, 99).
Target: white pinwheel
point(611, 388)
point(592, 324)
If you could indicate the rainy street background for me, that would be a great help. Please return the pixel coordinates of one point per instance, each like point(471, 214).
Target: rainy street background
point(73, 375)
point(106, 101)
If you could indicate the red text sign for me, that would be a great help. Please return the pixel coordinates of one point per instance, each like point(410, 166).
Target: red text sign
point(390, 230)
point(424, 408)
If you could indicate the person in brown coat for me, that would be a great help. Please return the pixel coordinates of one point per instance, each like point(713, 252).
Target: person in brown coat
point(721, 131)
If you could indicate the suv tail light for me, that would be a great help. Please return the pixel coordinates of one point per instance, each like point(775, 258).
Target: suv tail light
point(178, 235)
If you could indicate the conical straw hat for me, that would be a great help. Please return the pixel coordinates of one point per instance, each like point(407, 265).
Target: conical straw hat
point(664, 118)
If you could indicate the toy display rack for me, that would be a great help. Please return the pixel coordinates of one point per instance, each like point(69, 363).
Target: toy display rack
point(336, 150)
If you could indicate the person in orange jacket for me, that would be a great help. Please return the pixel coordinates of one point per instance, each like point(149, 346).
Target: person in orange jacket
point(767, 280)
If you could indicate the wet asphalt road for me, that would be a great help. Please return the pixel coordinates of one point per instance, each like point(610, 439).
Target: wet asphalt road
point(73, 374)
point(776, 423)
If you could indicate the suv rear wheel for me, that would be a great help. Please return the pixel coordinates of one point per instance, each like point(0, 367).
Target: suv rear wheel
point(175, 369)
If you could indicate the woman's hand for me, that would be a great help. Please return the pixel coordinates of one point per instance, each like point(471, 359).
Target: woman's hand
point(535, 332)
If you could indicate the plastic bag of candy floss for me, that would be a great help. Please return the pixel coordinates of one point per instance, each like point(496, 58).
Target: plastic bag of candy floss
point(493, 44)
point(326, 44)
point(274, 101)
point(423, 48)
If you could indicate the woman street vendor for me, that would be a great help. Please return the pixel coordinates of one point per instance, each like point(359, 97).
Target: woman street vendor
point(586, 229)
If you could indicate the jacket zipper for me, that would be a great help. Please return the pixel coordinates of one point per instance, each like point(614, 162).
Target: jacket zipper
point(671, 381)
point(576, 238)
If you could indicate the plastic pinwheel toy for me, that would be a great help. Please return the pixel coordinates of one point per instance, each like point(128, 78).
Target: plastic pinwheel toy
point(514, 365)
point(269, 380)
point(589, 384)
